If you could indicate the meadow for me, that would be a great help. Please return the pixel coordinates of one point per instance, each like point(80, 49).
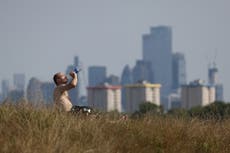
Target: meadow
point(28, 129)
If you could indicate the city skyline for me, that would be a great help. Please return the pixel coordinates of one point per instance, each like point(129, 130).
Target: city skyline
point(40, 38)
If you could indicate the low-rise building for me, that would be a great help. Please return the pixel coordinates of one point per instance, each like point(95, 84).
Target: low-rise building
point(105, 97)
point(139, 93)
point(197, 94)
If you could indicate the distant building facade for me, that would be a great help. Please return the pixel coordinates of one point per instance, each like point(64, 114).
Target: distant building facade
point(214, 81)
point(126, 78)
point(105, 97)
point(15, 95)
point(178, 70)
point(47, 89)
point(197, 94)
point(5, 88)
point(139, 93)
point(19, 81)
point(34, 92)
point(157, 49)
point(219, 92)
point(142, 71)
point(113, 80)
point(174, 101)
point(96, 75)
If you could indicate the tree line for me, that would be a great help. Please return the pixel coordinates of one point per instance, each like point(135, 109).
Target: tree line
point(216, 110)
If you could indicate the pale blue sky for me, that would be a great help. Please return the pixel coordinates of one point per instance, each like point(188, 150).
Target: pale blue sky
point(41, 37)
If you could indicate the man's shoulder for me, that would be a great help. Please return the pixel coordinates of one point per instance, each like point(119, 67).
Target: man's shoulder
point(60, 87)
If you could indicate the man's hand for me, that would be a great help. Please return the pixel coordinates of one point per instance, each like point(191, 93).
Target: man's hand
point(72, 74)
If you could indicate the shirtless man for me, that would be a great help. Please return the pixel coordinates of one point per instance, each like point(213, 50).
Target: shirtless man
point(60, 95)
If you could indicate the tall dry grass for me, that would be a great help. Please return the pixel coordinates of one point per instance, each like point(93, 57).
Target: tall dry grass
point(25, 129)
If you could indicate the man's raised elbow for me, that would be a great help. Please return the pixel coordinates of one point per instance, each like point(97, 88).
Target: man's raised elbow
point(73, 84)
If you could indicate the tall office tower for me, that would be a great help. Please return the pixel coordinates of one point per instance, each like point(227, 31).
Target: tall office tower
point(213, 75)
point(47, 89)
point(105, 97)
point(142, 71)
point(157, 49)
point(96, 75)
point(197, 94)
point(214, 81)
point(113, 80)
point(5, 88)
point(126, 78)
point(178, 70)
point(34, 92)
point(19, 81)
point(139, 93)
point(15, 95)
point(219, 92)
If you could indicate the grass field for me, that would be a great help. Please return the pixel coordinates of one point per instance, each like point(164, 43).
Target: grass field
point(24, 129)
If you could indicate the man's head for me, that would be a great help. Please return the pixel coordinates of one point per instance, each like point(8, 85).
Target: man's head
point(60, 78)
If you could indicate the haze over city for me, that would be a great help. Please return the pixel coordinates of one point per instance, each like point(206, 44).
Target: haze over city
point(42, 37)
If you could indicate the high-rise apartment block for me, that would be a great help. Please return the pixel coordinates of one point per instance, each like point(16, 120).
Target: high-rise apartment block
point(96, 75)
point(105, 97)
point(197, 94)
point(157, 49)
point(139, 93)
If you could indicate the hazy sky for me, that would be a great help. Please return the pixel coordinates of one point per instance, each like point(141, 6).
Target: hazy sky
point(41, 37)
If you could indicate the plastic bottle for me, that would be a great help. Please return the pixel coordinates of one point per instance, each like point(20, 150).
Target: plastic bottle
point(76, 70)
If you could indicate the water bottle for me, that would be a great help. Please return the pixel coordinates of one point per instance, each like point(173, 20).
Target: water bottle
point(76, 70)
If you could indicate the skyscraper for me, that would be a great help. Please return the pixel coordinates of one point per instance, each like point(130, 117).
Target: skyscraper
point(34, 92)
point(19, 81)
point(157, 49)
point(113, 80)
point(96, 75)
point(214, 81)
point(142, 71)
point(126, 78)
point(178, 70)
point(5, 88)
point(47, 89)
point(213, 75)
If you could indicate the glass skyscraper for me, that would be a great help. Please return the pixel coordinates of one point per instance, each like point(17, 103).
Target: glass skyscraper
point(142, 71)
point(178, 70)
point(96, 75)
point(157, 49)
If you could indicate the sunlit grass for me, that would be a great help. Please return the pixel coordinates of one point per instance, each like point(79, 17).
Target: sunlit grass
point(26, 129)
